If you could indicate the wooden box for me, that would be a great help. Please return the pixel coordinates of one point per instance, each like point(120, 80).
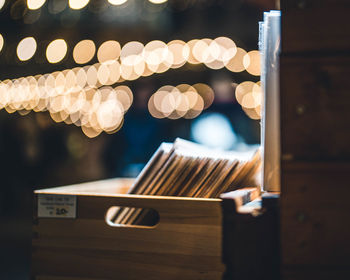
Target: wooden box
point(82, 244)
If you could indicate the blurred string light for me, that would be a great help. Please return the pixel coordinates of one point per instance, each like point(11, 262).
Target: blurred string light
point(84, 51)
point(77, 4)
point(157, 1)
point(35, 4)
point(251, 62)
point(1, 42)
point(84, 96)
point(56, 51)
point(182, 101)
point(58, 6)
point(214, 130)
point(26, 48)
point(109, 50)
point(136, 60)
point(156, 56)
point(117, 2)
point(93, 109)
point(235, 64)
point(2, 3)
point(249, 96)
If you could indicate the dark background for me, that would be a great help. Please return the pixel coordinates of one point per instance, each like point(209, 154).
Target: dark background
point(37, 152)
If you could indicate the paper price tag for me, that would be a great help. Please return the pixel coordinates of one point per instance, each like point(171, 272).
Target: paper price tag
point(57, 206)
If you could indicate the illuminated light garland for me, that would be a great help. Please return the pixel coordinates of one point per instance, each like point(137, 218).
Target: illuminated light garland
point(2, 3)
point(77, 4)
point(94, 109)
point(117, 2)
point(235, 64)
point(83, 96)
point(182, 101)
point(249, 96)
point(56, 51)
point(84, 51)
point(180, 52)
point(35, 4)
point(157, 1)
point(251, 62)
point(109, 50)
point(1, 42)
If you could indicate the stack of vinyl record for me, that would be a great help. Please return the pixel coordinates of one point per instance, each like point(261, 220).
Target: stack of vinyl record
point(191, 170)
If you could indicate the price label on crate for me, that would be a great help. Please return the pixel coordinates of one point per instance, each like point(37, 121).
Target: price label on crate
point(57, 206)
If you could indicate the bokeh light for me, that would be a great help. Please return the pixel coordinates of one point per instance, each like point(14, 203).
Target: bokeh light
point(1, 42)
point(124, 96)
point(182, 101)
point(103, 74)
point(90, 131)
point(191, 58)
point(131, 53)
point(35, 4)
point(109, 50)
point(180, 52)
point(117, 2)
point(56, 50)
point(220, 51)
point(114, 72)
point(235, 64)
point(26, 48)
point(84, 96)
point(157, 56)
point(242, 89)
point(81, 78)
point(214, 130)
point(206, 92)
point(2, 3)
point(132, 62)
point(249, 96)
point(200, 50)
point(84, 51)
point(92, 76)
point(77, 4)
point(157, 1)
point(253, 113)
point(251, 62)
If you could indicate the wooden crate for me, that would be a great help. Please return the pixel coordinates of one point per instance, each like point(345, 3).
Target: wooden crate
point(185, 244)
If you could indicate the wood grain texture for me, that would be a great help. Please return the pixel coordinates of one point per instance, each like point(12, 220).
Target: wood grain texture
point(315, 215)
point(315, 137)
point(186, 244)
point(315, 108)
point(315, 26)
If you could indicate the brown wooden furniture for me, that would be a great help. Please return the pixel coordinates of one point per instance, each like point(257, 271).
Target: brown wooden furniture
point(185, 244)
point(315, 139)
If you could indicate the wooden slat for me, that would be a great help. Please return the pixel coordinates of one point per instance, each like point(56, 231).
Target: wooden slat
point(315, 25)
point(315, 108)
